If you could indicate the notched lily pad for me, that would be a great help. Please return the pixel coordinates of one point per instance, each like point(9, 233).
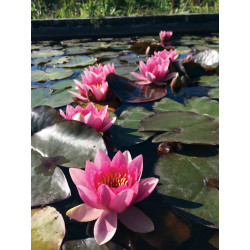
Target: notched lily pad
point(182, 179)
point(50, 74)
point(47, 228)
point(127, 91)
point(125, 130)
point(73, 141)
point(48, 183)
point(46, 53)
point(182, 126)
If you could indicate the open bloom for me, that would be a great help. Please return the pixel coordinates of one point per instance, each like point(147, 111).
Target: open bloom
point(100, 121)
point(94, 80)
point(165, 35)
point(155, 70)
point(166, 55)
point(109, 188)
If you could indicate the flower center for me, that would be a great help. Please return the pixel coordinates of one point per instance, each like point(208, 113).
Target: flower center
point(97, 85)
point(114, 180)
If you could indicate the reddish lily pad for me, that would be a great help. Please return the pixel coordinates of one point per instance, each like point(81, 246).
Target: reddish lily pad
point(183, 180)
point(73, 142)
point(47, 228)
point(50, 74)
point(125, 130)
point(201, 105)
point(182, 126)
point(89, 244)
point(48, 183)
point(127, 91)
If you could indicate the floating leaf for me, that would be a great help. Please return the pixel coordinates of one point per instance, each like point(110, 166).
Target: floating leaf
point(54, 47)
point(183, 179)
point(209, 81)
point(43, 116)
point(214, 93)
point(201, 105)
point(89, 244)
point(124, 131)
point(77, 61)
point(127, 91)
point(47, 96)
point(182, 126)
point(48, 183)
point(72, 141)
point(47, 228)
point(50, 74)
point(40, 61)
point(60, 60)
point(183, 50)
point(132, 58)
point(140, 47)
point(125, 70)
point(119, 46)
point(46, 53)
point(78, 50)
point(207, 58)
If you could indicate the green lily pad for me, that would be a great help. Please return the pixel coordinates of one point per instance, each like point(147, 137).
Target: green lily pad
point(89, 244)
point(46, 53)
point(60, 60)
point(54, 47)
point(43, 116)
point(182, 126)
point(209, 81)
point(125, 70)
point(64, 84)
point(183, 50)
point(125, 130)
point(48, 183)
point(184, 180)
point(73, 142)
point(50, 74)
point(214, 93)
point(78, 50)
point(40, 61)
point(47, 228)
point(119, 46)
point(133, 58)
point(50, 97)
point(207, 58)
point(201, 105)
point(77, 61)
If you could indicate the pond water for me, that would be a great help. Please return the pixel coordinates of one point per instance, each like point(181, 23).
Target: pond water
point(184, 206)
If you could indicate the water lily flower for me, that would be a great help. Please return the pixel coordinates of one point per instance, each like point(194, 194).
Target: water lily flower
point(109, 190)
point(165, 35)
point(155, 70)
point(166, 55)
point(99, 120)
point(94, 80)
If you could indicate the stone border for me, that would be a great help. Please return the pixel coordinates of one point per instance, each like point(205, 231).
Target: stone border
point(70, 28)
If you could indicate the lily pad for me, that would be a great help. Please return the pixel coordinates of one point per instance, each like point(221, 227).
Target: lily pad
point(50, 74)
point(201, 105)
point(125, 70)
point(207, 58)
point(183, 50)
point(119, 46)
point(77, 61)
point(214, 93)
point(209, 81)
point(132, 58)
point(40, 61)
point(47, 228)
point(46, 53)
point(43, 116)
point(89, 244)
point(47, 96)
point(78, 50)
point(183, 180)
point(127, 91)
point(74, 142)
point(182, 126)
point(125, 130)
point(60, 60)
point(48, 183)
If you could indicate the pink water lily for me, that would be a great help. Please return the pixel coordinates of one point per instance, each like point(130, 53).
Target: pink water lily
point(166, 55)
point(165, 36)
point(99, 120)
point(155, 70)
point(109, 190)
point(94, 80)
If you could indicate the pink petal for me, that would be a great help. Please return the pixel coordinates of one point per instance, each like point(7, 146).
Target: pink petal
point(105, 195)
point(169, 76)
point(138, 76)
point(127, 156)
point(78, 96)
point(135, 189)
point(100, 158)
point(84, 213)
point(89, 197)
point(135, 167)
point(118, 160)
point(78, 117)
point(136, 220)
point(150, 76)
point(78, 176)
point(103, 112)
point(120, 188)
point(107, 124)
point(122, 200)
point(105, 227)
point(70, 112)
point(62, 114)
point(144, 82)
point(146, 187)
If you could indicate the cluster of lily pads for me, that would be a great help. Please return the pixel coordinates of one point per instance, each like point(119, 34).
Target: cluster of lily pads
point(112, 110)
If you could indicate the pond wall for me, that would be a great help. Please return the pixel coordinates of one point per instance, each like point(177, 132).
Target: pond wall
point(69, 28)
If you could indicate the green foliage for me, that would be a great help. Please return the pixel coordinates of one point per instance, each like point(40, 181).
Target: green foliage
point(42, 9)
